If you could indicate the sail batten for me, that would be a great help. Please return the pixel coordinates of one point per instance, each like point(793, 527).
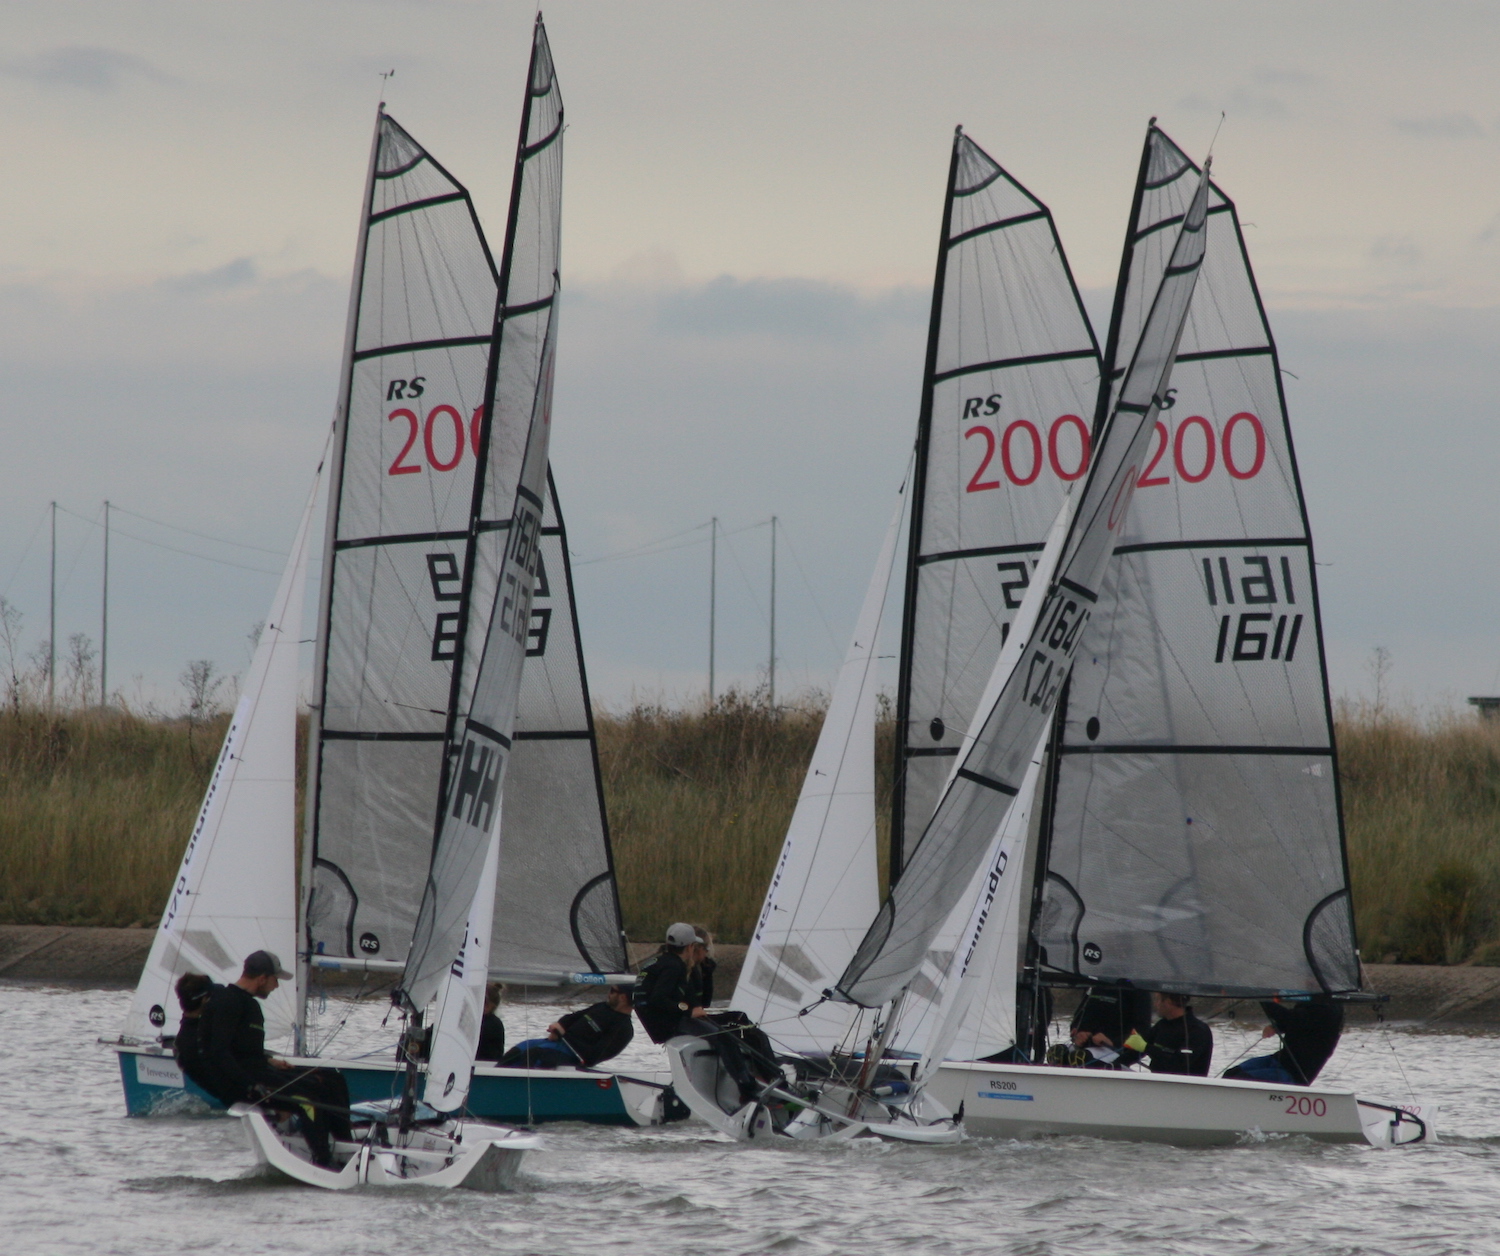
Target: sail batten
point(1197, 839)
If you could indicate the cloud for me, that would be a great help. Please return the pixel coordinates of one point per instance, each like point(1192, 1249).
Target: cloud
point(97, 70)
point(1396, 248)
point(235, 274)
point(796, 309)
point(1441, 126)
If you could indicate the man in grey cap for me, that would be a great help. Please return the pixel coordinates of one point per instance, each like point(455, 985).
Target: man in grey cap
point(237, 1069)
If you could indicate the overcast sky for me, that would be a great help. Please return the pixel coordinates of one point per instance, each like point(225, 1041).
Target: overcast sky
point(751, 210)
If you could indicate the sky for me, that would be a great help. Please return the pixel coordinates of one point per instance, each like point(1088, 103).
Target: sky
point(752, 202)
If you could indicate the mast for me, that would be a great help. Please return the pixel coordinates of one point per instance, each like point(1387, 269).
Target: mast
point(325, 586)
point(104, 619)
point(914, 537)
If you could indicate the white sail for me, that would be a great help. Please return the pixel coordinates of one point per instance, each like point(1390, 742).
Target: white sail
point(992, 772)
point(236, 889)
point(825, 887)
point(1197, 841)
point(455, 1031)
point(1003, 431)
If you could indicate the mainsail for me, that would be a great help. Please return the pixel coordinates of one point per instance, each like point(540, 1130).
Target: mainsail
point(1197, 837)
point(419, 524)
point(236, 889)
point(993, 769)
point(1003, 431)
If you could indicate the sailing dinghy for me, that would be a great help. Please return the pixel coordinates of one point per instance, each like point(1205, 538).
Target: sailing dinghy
point(973, 826)
point(417, 521)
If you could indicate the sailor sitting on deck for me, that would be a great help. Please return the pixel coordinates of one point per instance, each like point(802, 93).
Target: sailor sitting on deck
point(193, 990)
point(1104, 1021)
point(1309, 1032)
point(1178, 1043)
point(491, 1028)
point(237, 1069)
point(587, 1037)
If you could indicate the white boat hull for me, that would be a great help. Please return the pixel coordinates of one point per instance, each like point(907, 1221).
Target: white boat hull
point(471, 1154)
point(1030, 1101)
point(837, 1113)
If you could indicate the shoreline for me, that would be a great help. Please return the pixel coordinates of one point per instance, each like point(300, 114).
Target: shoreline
point(1420, 996)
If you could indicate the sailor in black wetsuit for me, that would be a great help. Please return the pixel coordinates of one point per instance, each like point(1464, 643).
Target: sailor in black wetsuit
point(491, 1046)
point(1178, 1043)
point(1309, 1030)
point(193, 990)
point(237, 1069)
point(1110, 1014)
point(586, 1037)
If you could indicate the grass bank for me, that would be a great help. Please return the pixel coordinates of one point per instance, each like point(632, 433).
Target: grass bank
point(95, 809)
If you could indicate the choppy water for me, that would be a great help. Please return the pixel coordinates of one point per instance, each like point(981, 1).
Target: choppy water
point(76, 1175)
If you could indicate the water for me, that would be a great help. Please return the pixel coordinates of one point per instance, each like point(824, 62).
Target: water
point(78, 1176)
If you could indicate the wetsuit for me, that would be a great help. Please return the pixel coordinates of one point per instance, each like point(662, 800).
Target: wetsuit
point(1114, 1011)
point(1309, 1033)
point(1184, 1045)
point(590, 1036)
point(664, 994)
point(491, 1038)
point(187, 1050)
point(232, 1047)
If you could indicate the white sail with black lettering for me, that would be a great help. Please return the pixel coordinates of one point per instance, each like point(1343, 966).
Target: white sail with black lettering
point(1197, 839)
point(1003, 430)
point(236, 888)
point(976, 803)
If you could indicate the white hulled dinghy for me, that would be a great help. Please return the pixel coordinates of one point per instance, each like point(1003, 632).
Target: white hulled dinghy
point(1192, 833)
point(972, 828)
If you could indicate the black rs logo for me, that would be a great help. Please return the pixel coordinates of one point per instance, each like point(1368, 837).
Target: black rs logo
point(1092, 952)
point(156, 1015)
point(369, 944)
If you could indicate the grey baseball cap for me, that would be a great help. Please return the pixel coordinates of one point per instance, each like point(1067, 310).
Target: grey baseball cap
point(265, 964)
point(682, 934)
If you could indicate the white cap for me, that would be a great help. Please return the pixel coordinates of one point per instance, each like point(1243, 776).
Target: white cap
point(682, 934)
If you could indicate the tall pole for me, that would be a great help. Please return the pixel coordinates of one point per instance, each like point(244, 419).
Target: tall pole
point(713, 592)
point(52, 619)
point(772, 668)
point(104, 620)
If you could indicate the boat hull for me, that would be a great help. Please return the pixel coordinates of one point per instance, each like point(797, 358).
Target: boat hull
point(483, 1157)
point(1032, 1101)
point(837, 1114)
point(155, 1086)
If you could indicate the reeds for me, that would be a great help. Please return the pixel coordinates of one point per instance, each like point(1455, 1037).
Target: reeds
point(95, 808)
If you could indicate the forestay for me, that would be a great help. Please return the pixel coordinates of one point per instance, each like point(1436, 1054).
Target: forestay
point(236, 888)
point(981, 793)
point(824, 890)
point(1198, 838)
point(1003, 430)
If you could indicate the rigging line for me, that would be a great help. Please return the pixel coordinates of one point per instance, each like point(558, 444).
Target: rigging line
point(640, 553)
point(30, 541)
point(78, 553)
point(208, 558)
point(202, 536)
point(811, 592)
point(644, 545)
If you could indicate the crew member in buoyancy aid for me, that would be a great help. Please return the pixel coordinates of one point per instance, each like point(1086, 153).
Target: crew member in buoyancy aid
point(193, 990)
point(672, 995)
point(238, 1069)
point(1178, 1043)
point(586, 1037)
point(1309, 1029)
point(1101, 1024)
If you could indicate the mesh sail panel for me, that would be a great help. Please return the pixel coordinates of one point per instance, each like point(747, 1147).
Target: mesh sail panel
point(1197, 828)
point(402, 497)
point(1012, 371)
point(993, 768)
point(556, 908)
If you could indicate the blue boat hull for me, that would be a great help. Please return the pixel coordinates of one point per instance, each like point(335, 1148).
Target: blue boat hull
point(155, 1086)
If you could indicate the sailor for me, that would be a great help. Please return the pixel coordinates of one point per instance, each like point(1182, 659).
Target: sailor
point(669, 989)
point(1108, 1016)
point(237, 1068)
point(1178, 1043)
point(491, 1028)
point(193, 990)
point(587, 1037)
point(1309, 1030)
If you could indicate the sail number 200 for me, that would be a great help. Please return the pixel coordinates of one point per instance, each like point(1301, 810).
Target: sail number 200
point(443, 433)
